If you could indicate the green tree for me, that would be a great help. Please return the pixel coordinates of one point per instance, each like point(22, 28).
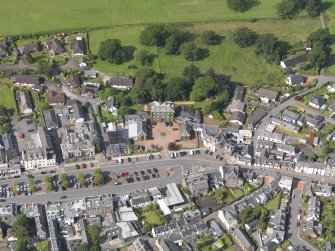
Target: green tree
point(64, 178)
point(99, 178)
point(318, 56)
point(4, 128)
point(14, 185)
point(210, 38)
point(203, 88)
point(177, 88)
point(44, 67)
point(28, 58)
point(320, 36)
point(286, 9)
point(32, 187)
point(144, 58)
point(244, 37)
point(191, 52)
point(94, 234)
point(21, 228)
point(98, 145)
point(314, 7)
point(172, 45)
point(111, 50)
point(84, 247)
point(108, 91)
point(238, 5)
point(123, 110)
point(154, 35)
point(268, 45)
point(81, 178)
point(191, 73)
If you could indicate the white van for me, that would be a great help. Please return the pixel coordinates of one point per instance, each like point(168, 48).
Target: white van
point(191, 152)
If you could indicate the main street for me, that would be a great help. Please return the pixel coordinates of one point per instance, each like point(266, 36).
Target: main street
point(178, 165)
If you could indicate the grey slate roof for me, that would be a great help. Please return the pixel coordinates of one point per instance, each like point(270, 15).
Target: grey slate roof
point(296, 79)
point(32, 47)
point(55, 46)
point(50, 119)
point(74, 80)
point(78, 46)
point(317, 100)
point(263, 92)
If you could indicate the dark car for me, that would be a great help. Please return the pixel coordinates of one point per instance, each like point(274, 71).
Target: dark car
point(77, 167)
point(153, 175)
point(63, 197)
point(197, 151)
point(136, 173)
point(211, 153)
point(221, 158)
point(43, 172)
point(217, 156)
point(129, 159)
point(207, 151)
point(138, 178)
point(155, 170)
point(142, 172)
point(149, 170)
point(91, 165)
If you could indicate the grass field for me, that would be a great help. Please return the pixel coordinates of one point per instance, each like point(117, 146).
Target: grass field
point(31, 16)
point(7, 97)
point(274, 203)
point(241, 64)
point(152, 217)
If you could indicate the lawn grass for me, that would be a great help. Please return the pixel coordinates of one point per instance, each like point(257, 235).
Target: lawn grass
point(7, 97)
point(152, 217)
point(63, 14)
point(274, 203)
point(107, 116)
point(237, 192)
point(242, 65)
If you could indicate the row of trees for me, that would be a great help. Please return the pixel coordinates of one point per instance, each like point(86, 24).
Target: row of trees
point(291, 8)
point(4, 119)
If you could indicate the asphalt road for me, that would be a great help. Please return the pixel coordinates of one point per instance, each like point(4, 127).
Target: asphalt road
point(179, 165)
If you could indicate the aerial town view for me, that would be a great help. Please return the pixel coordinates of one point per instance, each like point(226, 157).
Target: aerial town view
point(167, 125)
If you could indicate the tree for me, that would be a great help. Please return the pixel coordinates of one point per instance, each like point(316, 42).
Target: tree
point(64, 178)
point(81, 178)
point(286, 9)
point(244, 37)
point(268, 45)
point(32, 187)
point(203, 88)
point(84, 247)
point(94, 234)
point(154, 35)
point(14, 185)
point(314, 7)
point(317, 57)
point(210, 38)
point(44, 67)
point(108, 91)
point(172, 44)
point(28, 58)
point(144, 58)
point(99, 178)
point(191, 52)
point(123, 110)
point(21, 228)
point(320, 36)
point(238, 5)
point(177, 88)
point(98, 145)
point(191, 73)
point(111, 50)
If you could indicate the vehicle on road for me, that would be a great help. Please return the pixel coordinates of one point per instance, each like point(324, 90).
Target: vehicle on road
point(221, 158)
point(83, 165)
point(207, 151)
point(191, 152)
point(77, 167)
point(149, 170)
point(91, 165)
point(63, 197)
point(197, 151)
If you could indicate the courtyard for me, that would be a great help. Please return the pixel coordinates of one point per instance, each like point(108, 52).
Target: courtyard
point(160, 136)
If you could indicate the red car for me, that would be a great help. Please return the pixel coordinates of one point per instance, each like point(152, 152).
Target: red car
point(299, 211)
point(83, 165)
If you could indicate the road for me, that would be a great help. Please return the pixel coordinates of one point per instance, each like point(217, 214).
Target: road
point(289, 102)
point(210, 165)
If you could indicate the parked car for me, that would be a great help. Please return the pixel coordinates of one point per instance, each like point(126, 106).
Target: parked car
point(197, 151)
point(91, 165)
point(149, 170)
point(77, 167)
point(83, 165)
point(207, 151)
point(63, 197)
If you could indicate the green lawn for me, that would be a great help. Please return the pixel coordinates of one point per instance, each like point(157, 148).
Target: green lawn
point(237, 192)
point(39, 15)
point(7, 97)
point(274, 203)
point(241, 64)
point(107, 116)
point(152, 217)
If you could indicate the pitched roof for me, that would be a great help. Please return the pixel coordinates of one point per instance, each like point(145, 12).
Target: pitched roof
point(55, 46)
point(28, 79)
point(32, 47)
point(263, 92)
point(50, 118)
point(239, 116)
point(296, 59)
point(296, 79)
point(25, 100)
point(77, 46)
point(126, 81)
point(318, 100)
point(162, 107)
point(239, 93)
point(74, 80)
point(55, 98)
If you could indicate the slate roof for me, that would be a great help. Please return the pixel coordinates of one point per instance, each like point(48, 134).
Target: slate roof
point(55, 46)
point(263, 92)
point(122, 81)
point(296, 59)
point(317, 100)
point(239, 93)
point(50, 119)
point(78, 46)
point(74, 80)
point(289, 115)
point(28, 79)
point(239, 116)
point(256, 117)
point(296, 79)
point(32, 47)
point(55, 98)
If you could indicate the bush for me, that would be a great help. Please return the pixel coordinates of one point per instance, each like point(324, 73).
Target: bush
point(244, 37)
